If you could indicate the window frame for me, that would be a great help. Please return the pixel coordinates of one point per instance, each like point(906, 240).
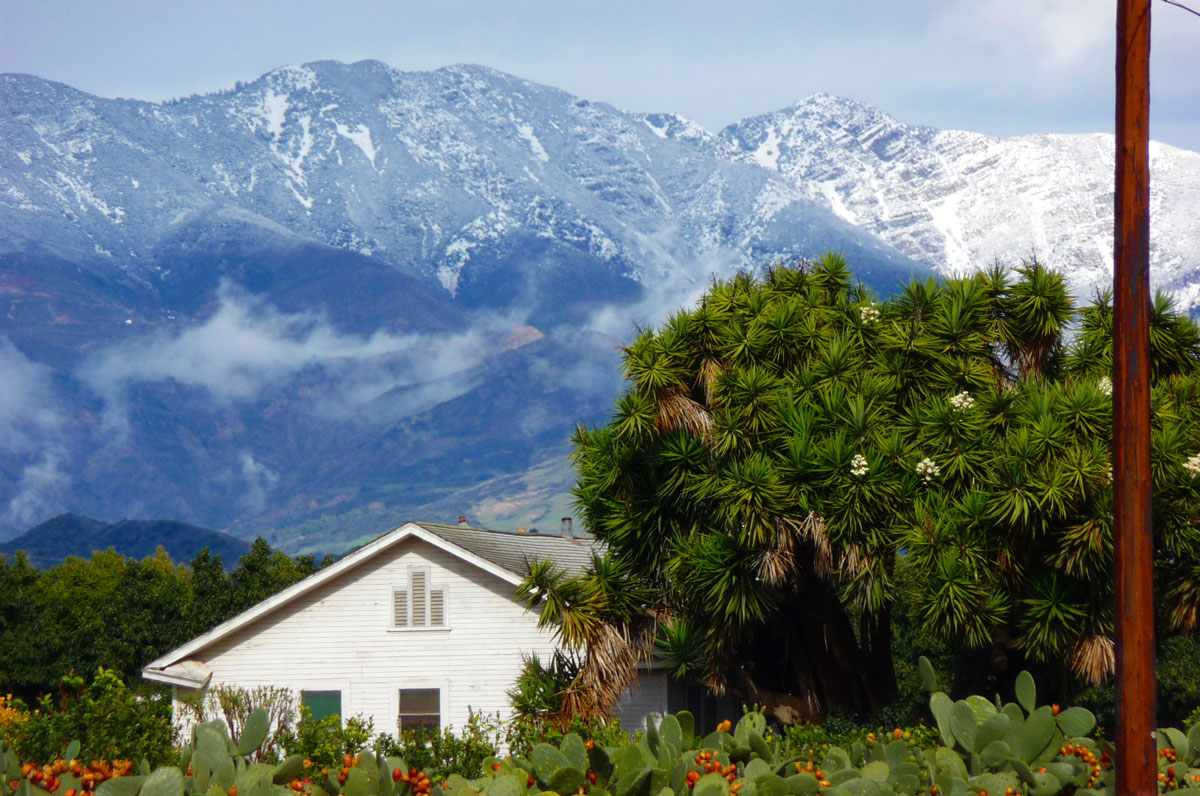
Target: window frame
point(441, 686)
point(298, 688)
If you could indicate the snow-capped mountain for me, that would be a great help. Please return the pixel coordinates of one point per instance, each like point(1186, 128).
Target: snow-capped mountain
point(440, 174)
point(343, 295)
point(958, 200)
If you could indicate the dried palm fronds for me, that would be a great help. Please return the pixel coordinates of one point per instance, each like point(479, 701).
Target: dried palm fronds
point(1093, 658)
point(677, 411)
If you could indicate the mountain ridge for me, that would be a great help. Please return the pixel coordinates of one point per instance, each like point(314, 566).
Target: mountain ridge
point(340, 296)
point(51, 542)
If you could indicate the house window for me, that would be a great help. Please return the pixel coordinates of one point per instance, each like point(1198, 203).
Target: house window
point(419, 605)
point(420, 709)
point(322, 703)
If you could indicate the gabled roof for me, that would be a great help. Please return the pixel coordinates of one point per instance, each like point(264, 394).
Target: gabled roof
point(504, 555)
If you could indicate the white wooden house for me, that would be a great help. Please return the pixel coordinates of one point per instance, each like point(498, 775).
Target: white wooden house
point(419, 625)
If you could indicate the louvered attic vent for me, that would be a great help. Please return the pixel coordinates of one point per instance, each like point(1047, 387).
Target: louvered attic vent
point(418, 606)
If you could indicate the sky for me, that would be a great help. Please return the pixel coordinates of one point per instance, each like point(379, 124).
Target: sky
point(1003, 67)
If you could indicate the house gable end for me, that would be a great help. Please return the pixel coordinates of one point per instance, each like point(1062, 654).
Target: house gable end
point(303, 595)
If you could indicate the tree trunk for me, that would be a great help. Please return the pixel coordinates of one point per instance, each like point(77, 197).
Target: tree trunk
point(815, 663)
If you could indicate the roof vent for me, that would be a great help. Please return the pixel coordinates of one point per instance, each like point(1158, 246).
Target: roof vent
point(533, 530)
point(521, 530)
point(568, 529)
point(462, 520)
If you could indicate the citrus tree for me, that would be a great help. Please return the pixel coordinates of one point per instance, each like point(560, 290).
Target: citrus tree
point(788, 443)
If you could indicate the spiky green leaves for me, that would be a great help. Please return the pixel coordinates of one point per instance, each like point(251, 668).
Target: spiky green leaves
point(794, 433)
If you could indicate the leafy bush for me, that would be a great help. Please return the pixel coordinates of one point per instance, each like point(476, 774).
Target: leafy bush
point(538, 691)
point(325, 742)
point(522, 734)
point(1178, 676)
point(108, 720)
point(444, 752)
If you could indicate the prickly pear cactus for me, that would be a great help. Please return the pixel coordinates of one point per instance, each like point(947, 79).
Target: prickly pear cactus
point(988, 749)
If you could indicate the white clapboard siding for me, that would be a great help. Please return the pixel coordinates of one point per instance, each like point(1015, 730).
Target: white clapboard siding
point(343, 636)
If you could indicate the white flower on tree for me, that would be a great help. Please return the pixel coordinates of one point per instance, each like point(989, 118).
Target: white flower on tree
point(1105, 385)
point(869, 314)
point(962, 402)
point(858, 465)
point(927, 468)
point(1192, 465)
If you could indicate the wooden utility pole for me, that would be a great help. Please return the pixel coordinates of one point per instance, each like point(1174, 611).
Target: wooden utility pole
point(1132, 481)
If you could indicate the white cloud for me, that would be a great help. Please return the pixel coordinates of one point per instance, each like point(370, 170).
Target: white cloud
point(1059, 35)
point(39, 490)
point(31, 438)
point(245, 345)
point(259, 480)
point(248, 347)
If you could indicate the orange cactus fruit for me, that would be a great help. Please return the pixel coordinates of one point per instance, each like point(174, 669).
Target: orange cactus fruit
point(897, 734)
point(233, 791)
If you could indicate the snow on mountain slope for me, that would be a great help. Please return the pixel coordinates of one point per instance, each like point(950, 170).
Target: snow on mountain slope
point(958, 200)
point(348, 206)
point(433, 172)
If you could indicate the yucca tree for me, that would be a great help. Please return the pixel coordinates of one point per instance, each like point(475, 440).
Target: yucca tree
point(788, 443)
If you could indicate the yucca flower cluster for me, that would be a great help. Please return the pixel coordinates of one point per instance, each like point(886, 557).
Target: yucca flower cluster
point(1192, 465)
point(1105, 385)
point(962, 402)
point(858, 465)
point(927, 468)
point(869, 313)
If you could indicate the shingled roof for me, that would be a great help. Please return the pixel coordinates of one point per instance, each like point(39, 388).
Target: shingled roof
point(514, 551)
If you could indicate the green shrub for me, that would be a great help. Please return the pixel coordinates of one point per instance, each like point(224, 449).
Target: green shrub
point(444, 752)
point(326, 741)
point(522, 734)
point(109, 720)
